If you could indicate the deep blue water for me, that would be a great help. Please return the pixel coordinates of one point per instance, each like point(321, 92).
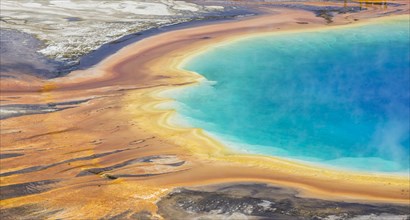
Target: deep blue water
point(338, 97)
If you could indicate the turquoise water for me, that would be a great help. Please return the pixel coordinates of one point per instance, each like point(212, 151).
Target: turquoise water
point(338, 97)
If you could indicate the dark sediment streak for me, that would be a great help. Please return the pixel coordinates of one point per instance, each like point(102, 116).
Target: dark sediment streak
point(29, 211)
point(116, 166)
point(15, 110)
point(24, 189)
point(325, 12)
point(5, 156)
point(39, 168)
point(147, 159)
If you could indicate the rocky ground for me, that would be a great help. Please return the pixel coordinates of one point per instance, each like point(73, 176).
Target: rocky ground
point(72, 28)
point(262, 201)
point(48, 37)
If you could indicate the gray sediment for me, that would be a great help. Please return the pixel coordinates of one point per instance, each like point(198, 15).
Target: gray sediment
point(24, 189)
point(29, 211)
point(262, 201)
point(18, 53)
point(15, 110)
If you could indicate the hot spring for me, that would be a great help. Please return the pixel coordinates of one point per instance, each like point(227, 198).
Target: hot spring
point(336, 97)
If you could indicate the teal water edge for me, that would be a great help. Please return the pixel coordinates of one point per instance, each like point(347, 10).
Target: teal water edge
point(337, 97)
